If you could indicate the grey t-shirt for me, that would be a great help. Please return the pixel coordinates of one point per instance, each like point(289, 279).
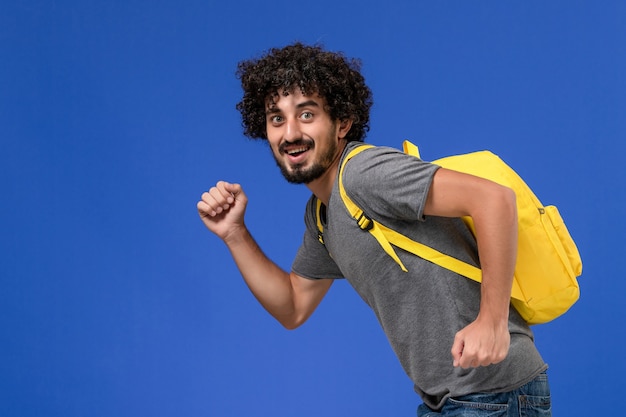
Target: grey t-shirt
point(420, 310)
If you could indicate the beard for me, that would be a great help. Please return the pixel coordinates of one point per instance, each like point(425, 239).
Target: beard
point(299, 173)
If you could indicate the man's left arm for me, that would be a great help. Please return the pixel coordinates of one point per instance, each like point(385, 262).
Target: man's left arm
point(493, 210)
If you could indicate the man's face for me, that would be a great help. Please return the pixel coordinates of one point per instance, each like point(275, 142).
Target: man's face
point(303, 138)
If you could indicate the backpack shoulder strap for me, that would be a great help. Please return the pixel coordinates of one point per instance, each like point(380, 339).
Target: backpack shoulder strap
point(318, 220)
point(348, 203)
point(362, 220)
point(387, 237)
point(411, 149)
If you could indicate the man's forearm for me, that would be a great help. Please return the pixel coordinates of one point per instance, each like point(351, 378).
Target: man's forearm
point(496, 229)
point(269, 283)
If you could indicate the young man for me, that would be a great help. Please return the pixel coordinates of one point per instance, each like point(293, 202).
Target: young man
point(461, 342)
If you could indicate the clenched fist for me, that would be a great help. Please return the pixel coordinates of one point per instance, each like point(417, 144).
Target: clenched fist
point(222, 209)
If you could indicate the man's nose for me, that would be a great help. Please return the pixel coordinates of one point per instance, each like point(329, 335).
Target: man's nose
point(292, 130)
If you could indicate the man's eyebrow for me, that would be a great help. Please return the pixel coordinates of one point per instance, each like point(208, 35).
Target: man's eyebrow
point(275, 109)
point(308, 103)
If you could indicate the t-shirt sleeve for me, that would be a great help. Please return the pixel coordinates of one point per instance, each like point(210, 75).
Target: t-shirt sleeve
point(312, 259)
point(389, 183)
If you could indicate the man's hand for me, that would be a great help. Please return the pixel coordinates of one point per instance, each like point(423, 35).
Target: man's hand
point(222, 209)
point(481, 343)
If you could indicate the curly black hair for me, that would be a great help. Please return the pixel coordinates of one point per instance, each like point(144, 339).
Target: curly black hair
point(313, 70)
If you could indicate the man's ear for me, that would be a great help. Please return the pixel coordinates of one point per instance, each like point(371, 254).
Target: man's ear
point(344, 128)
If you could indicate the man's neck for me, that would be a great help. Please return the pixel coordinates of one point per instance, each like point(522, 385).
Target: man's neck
point(323, 186)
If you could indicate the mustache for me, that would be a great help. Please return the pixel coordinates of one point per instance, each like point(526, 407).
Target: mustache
point(294, 143)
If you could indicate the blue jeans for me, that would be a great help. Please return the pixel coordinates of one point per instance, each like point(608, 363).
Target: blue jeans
point(530, 400)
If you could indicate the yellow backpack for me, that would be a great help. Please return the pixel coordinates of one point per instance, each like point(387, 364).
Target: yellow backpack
point(548, 262)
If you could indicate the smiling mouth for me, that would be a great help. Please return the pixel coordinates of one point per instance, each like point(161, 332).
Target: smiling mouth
point(296, 149)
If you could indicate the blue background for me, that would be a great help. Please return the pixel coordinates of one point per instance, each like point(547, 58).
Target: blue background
point(115, 116)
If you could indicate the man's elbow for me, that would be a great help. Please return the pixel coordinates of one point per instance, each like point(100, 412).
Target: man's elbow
point(510, 199)
point(506, 202)
point(291, 322)
point(291, 325)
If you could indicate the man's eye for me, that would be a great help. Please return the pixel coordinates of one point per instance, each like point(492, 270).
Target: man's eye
point(276, 119)
point(307, 115)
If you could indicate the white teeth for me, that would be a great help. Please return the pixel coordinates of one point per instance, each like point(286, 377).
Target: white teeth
point(294, 151)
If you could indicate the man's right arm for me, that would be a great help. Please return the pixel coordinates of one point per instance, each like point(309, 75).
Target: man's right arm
point(288, 297)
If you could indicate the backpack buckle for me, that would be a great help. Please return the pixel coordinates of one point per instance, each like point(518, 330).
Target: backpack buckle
point(364, 222)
